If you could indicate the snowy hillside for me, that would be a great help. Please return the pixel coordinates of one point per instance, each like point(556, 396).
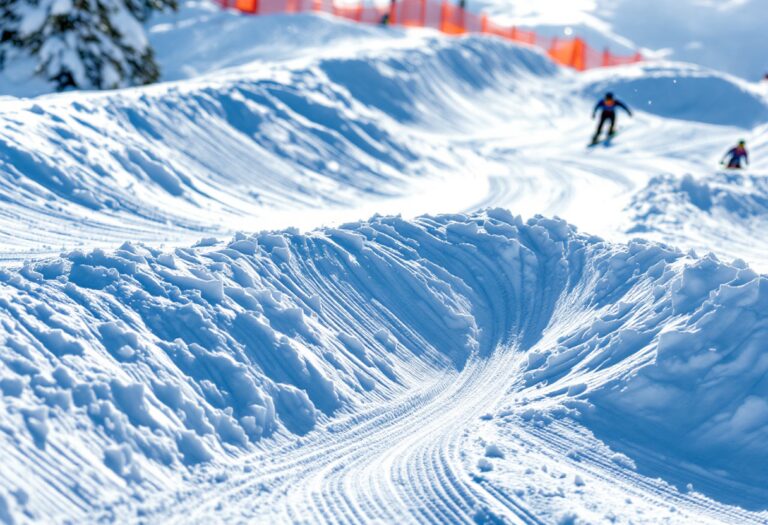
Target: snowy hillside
point(148, 362)
point(217, 144)
point(330, 272)
point(727, 35)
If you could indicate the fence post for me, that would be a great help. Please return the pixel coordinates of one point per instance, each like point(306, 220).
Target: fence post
point(484, 24)
point(443, 15)
point(392, 12)
point(606, 57)
point(579, 58)
point(423, 13)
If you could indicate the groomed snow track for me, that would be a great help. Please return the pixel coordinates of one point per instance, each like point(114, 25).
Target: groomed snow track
point(331, 377)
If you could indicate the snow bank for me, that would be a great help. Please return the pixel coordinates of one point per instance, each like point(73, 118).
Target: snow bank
point(741, 194)
point(672, 373)
point(165, 163)
point(703, 398)
point(724, 35)
point(143, 362)
point(120, 367)
point(725, 212)
point(680, 91)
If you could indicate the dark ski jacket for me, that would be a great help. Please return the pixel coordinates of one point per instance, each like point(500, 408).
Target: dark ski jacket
point(609, 107)
point(735, 155)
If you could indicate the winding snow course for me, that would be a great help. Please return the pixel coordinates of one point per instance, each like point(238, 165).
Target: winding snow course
point(441, 365)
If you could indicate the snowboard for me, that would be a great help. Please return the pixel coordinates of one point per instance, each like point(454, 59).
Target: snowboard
point(605, 142)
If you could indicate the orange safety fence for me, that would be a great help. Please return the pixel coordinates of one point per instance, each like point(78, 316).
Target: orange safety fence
point(445, 17)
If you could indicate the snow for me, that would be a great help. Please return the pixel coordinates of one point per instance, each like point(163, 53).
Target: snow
point(332, 272)
point(211, 376)
point(727, 35)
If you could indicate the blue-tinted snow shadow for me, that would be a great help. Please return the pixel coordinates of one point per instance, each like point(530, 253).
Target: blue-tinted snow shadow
point(693, 95)
point(721, 476)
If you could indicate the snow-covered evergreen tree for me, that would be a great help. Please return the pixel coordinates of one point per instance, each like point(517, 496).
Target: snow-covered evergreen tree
point(83, 43)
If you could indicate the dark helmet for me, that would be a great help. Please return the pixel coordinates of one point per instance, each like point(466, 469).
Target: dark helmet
point(609, 95)
point(742, 142)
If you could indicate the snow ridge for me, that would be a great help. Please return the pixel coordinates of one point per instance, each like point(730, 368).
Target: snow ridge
point(164, 164)
point(217, 348)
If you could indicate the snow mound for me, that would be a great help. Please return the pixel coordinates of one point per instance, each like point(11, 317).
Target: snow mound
point(203, 39)
point(743, 195)
point(216, 348)
point(163, 164)
point(725, 212)
point(703, 398)
point(697, 31)
point(685, 92)
point(672, 373)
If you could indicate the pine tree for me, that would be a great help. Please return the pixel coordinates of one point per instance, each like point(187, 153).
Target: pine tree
point(83, 43)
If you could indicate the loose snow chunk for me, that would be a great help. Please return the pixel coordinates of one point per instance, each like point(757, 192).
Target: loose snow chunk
point(167, 260)
point(484, 465)
point(11, 387)
point(60, 343)
point(117, 458)
point(623, 461)
point(492, 450)
point(295, 409)
point(355, 346)
point(210, 289)
point(130, 399)
point(192, 448)
point(37, 424)
point(119, 341)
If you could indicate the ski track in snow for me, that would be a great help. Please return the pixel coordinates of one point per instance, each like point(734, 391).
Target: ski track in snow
point(507, 335)
point(405, 463)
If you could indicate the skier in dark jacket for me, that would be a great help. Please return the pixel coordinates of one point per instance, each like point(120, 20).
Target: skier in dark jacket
point(607, 107)
point(735, 156)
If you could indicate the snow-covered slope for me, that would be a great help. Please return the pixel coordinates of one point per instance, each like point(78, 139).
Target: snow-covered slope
point(726, 35)
point(122, 368)
point(460, 366)
point(378, 126)
point(252, 148)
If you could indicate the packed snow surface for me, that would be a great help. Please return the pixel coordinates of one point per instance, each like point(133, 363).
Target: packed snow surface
point(122, 368)
point(727, 35)
point(262, 290)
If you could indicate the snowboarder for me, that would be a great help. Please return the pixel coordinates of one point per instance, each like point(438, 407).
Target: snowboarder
point(735, 155)
point(608, 106)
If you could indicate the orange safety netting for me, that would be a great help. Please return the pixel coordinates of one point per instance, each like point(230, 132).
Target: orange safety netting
point(445, 17)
